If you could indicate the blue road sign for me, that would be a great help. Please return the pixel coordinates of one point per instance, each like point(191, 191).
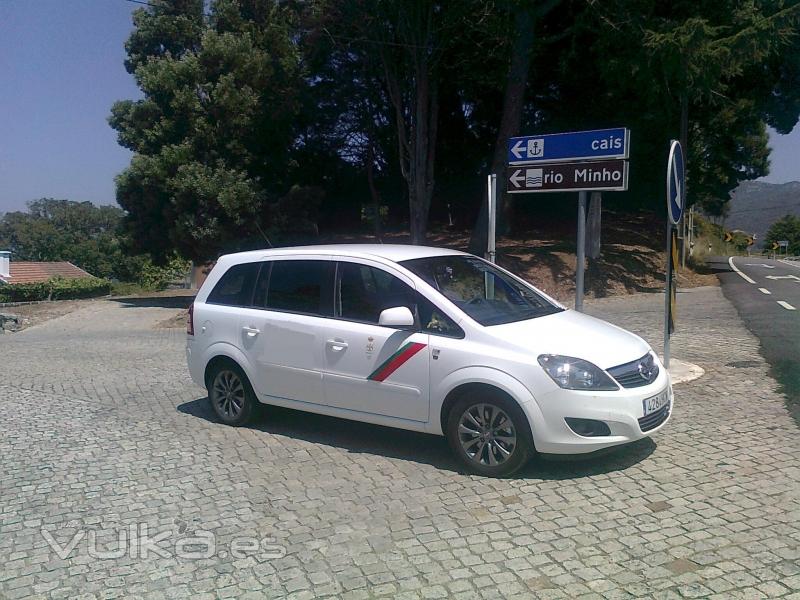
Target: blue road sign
point(562, 147)
point(676, 183)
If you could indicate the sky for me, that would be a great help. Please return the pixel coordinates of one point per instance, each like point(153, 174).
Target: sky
point(61, 69)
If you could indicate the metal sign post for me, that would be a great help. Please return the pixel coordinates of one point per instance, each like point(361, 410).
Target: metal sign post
point(581, 251)
point(668, 297)
point(676, 186)
point(491, 194)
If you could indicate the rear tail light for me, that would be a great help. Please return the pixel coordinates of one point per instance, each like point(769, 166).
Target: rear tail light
point(190, 320)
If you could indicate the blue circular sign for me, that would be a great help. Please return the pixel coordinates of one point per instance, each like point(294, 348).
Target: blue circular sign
point(676, 183)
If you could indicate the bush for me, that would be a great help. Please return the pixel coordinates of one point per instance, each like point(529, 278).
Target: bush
point(56, 288)
point(145, 276)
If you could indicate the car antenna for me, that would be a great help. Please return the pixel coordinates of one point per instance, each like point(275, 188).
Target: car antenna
point(263, 235)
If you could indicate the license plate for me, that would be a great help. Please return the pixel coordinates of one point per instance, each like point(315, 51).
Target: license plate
point(655, 403)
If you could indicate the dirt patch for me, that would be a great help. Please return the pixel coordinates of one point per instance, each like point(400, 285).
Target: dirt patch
point(177, 321)
point(177, 299)
point(35, 314)
point(632, 258)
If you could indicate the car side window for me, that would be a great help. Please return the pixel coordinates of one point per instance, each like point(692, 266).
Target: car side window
point(433, 320)
point(363, 292)
point(235, 287)
point(300, 286)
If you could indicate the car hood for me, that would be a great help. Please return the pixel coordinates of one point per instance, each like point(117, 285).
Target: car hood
point(571, 333)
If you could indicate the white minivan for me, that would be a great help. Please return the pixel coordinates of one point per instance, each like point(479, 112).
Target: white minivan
point(426, 339)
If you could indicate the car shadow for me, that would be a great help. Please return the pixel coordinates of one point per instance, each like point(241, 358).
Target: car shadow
point(173, 301)
point(365, 438)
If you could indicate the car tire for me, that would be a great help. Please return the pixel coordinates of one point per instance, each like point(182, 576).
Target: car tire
point(489, 434)
point(231, 396)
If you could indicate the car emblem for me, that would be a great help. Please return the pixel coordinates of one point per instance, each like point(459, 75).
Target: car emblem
point(646, 370)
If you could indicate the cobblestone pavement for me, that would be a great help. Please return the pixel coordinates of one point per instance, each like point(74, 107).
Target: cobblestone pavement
point(103, 433)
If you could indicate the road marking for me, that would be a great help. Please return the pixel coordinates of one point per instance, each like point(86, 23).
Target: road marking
point(785, 305)
point(764, 291)
point(794, 277)
point(790, 263)
point(742, 275)
point(759, 265)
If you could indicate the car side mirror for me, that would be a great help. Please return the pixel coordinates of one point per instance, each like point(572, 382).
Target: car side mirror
point(398, 317)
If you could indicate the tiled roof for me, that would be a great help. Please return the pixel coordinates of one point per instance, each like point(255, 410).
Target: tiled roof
point(32, 272)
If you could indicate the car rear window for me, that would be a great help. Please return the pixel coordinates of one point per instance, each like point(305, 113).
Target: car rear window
point(235, 288)
point(301, 286)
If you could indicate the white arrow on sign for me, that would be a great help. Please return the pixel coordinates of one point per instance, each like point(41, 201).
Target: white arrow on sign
point(516, 178)
point(795, 277)
point(517, 149)
point(759, 265)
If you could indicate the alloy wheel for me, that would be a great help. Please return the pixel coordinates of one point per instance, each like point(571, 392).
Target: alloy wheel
point(228, 394)
point(487, 434)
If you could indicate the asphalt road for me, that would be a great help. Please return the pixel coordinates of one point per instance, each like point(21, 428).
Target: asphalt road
point(767, 295)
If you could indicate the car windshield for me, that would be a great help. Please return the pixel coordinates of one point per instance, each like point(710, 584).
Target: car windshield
point(485, 293)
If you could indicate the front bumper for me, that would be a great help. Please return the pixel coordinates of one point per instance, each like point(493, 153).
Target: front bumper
point(621, 411)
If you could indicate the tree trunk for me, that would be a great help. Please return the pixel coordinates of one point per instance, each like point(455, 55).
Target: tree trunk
point(423, 144)
point(416, 119)
point(513, 103)
point(373, 190)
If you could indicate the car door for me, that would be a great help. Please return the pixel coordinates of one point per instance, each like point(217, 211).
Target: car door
point(370, 368)
point(282, 333)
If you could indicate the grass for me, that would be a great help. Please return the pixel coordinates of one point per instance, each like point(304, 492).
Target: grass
point(127, 288)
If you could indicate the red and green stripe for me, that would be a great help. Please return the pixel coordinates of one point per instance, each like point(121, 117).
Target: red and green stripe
point(395, 361)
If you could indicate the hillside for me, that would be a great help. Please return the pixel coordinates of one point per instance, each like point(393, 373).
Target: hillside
point(756, 205)
point(632, 256)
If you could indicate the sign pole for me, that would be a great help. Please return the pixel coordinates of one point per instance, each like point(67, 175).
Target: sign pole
point(676, 225)
point(581, 252)
point(668, 296)
point(491, 194)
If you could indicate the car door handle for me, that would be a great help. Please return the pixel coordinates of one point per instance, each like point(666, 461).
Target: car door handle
point(251, 331)
point(336, 345)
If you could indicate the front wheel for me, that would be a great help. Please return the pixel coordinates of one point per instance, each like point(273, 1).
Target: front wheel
point(488, 434)
point(231, 394)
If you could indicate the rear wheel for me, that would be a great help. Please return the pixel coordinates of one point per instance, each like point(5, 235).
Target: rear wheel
point(231, 394)
point(488, 433)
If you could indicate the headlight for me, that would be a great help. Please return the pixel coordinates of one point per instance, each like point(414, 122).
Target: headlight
point(576, 374)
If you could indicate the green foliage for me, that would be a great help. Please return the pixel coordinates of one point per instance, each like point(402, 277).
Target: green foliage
point(147, 276)
point(740, 241)
point(212, 135)
point(734, 65)
point(87, 236)
point(57, 288)
point(786, 228)
point(56, 230)
point(399, 103)
point(708, 241)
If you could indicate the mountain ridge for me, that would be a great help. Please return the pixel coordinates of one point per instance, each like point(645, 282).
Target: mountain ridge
point(756, 205)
